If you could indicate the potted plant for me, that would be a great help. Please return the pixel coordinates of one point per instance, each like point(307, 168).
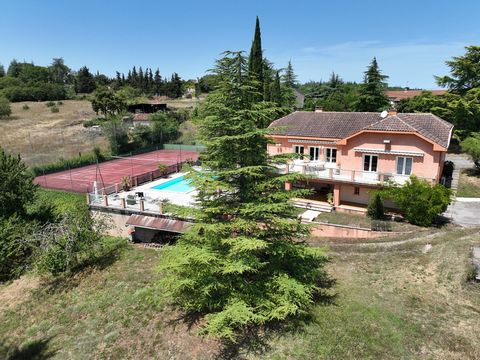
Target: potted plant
point(125, 181)
point(330, 198)
point(163, 170)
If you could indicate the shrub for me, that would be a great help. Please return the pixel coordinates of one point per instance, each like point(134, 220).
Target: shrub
point(17, 188)
point(163, 169)
point(54, 109)
point(448, 167)
point(15, 247)
point(375, 208)
point(93, 122)
point(5, 110)
point(68, 245)
point(38, 92)
point(25, 107)
point(50, 104)
point(471, 146)
point(419, 201)
point(59, 103)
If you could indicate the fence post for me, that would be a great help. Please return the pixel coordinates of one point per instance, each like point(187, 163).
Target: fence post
point(88, 198)
point(142, 205)
point(122, 203)
point(105, 200)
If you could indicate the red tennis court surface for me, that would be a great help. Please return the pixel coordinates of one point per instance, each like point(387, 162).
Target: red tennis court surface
point(110, 172)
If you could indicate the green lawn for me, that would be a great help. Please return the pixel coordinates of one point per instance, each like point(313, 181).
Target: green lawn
point(392, 302)
point(469, 184)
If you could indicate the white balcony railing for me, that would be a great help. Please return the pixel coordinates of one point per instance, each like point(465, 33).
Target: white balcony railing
point(331, 171)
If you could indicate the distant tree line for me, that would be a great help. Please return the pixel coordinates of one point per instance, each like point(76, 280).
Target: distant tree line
point(24, 81)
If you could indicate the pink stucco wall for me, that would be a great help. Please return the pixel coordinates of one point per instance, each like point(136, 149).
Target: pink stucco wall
point(428, 166)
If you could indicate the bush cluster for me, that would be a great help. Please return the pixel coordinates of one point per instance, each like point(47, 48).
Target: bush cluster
point(72, 163)
point(38, 92)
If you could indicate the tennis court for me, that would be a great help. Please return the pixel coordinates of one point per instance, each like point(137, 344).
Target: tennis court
point(109, 173)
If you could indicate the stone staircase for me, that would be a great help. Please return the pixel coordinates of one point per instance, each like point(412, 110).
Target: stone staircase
point(455, 178)
point(312, 205)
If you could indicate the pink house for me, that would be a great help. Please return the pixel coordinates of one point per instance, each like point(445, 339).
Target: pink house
point(349, 154)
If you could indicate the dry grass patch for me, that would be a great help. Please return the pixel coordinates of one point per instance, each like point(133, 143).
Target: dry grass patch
point(469, 183)
point(41, 136)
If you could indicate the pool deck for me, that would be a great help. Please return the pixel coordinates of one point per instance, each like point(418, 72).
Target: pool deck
point(151, 200)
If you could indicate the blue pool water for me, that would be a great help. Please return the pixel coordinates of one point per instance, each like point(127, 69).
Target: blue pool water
point(179, 184)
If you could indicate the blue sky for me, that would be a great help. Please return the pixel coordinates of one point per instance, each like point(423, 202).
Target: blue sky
point(411, 39)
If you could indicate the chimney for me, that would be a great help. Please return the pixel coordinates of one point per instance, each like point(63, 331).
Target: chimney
point(392, 112)
point(318, 109)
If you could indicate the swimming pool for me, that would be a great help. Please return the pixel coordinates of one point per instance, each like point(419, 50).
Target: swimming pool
point(179, 184)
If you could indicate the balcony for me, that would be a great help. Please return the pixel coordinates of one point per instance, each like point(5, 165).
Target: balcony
point(332, 171)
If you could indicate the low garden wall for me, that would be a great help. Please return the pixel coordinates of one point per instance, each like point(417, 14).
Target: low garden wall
point(320, 229)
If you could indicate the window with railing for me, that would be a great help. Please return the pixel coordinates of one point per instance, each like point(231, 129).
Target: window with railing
point(370, 163)
point(314, 153)
point(298, 149)
point(331, 155)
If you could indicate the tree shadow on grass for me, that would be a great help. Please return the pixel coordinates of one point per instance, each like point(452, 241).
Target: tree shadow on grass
point(67, 282)
point(256, 340)
point(474, 172)
point(34, 350)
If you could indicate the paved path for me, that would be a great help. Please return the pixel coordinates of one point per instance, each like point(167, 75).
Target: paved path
point(464, 211)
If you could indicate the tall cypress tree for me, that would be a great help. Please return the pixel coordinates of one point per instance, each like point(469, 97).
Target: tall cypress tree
point(240, 264)
point(276, 90)
point(372, 95)
point(255, 62)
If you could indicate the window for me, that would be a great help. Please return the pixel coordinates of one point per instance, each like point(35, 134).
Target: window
point(298, 149)
point(314, 153)
point(356, 190)
point(370, 162)
point(331, 155)
point(404, 165)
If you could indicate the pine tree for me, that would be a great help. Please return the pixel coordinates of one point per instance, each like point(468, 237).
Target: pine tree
point(158, 83)
point(2, 71)
point(289, 78)
point(134, 77)
point(255, 62)
point(372, 93)
point(141, 80)
point(240, 264)
point(118, 79)
point(84, 82)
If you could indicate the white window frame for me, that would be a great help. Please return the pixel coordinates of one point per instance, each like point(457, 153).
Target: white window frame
point(404, 165)
point(369, 163)
point(328, 158)
point(318, 151)
point(295, 147)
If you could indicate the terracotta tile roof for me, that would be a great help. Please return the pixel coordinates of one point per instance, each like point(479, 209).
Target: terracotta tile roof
point(336, 125)
point(150, 222)
point(339, 125)
point(391, 123)
point(397, 95)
